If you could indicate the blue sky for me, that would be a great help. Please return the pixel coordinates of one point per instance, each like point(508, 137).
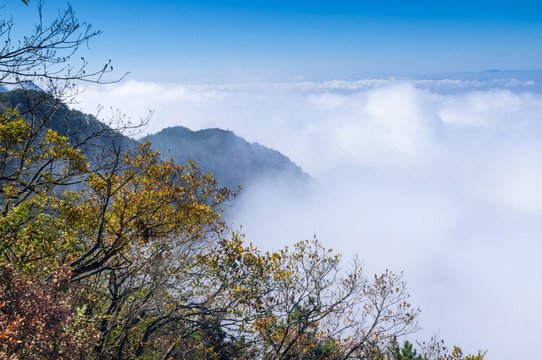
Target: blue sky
point(230, 40)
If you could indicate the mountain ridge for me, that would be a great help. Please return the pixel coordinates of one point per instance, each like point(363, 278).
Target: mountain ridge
point(230, 158)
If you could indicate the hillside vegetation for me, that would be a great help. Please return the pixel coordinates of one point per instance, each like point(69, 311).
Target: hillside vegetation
point(232, 160)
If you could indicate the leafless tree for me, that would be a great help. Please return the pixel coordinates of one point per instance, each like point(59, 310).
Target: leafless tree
point(45, 55)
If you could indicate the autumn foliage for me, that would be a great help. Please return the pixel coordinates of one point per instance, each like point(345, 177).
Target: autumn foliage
point(136, 262)
point(38, 319)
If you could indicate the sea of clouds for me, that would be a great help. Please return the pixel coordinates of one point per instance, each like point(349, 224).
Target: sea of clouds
point(441, 179)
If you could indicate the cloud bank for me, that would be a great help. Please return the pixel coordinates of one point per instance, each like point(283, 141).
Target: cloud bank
point(445, 185)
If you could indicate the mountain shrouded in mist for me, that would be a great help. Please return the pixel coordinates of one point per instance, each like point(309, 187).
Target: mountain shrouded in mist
point(93, 135)
point(231, 159)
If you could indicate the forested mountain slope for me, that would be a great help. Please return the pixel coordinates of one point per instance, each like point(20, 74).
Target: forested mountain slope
point(91, 135)
point(231, 159)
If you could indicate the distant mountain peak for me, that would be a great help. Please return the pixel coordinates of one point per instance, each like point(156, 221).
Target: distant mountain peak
point(230, 158)
point(24, 85)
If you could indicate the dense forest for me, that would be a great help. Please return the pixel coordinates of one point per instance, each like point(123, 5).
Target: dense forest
point(107, 251)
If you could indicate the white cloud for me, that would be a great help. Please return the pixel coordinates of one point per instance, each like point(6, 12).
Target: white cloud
point(446, 186)
point(501, 109)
